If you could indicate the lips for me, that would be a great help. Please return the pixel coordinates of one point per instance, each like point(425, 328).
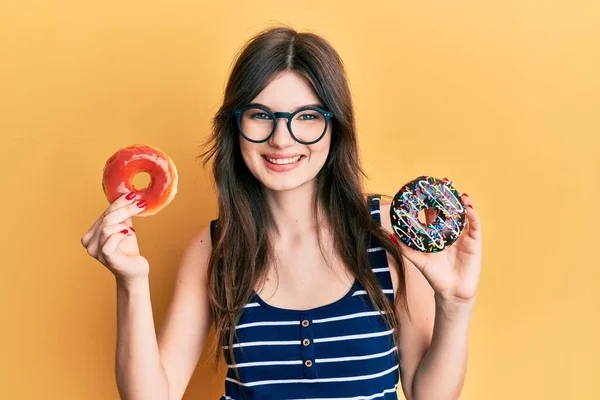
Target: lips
point(279, 155)
point(283, 167)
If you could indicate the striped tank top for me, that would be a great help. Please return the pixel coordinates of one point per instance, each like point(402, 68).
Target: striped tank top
point(342, 350)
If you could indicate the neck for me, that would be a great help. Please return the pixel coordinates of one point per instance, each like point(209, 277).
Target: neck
point(293, 213)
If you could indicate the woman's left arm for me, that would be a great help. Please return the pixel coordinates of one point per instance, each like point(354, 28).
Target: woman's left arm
point(441, 295)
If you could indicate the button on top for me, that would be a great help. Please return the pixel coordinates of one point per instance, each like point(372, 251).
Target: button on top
point(305, 342)
point(305, 323)
point(308, 363)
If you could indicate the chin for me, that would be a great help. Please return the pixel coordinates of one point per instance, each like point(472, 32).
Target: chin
point(282, 185)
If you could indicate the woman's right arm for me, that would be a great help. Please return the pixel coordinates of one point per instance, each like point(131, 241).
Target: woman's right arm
point(147, 366)
point(151, 367)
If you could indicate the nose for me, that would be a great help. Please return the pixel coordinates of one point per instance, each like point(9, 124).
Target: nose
point(282, 137)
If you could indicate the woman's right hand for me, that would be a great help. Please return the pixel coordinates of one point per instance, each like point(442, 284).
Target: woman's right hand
point(112, 240)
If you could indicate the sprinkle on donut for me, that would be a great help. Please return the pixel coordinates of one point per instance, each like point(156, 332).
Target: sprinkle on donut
point(420, 194)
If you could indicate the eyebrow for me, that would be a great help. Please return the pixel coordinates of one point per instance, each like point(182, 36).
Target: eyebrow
point(319, 105)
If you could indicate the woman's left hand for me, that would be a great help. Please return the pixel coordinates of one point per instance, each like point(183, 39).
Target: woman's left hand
point(454, 272)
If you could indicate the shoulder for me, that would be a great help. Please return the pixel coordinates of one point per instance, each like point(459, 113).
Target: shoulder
point(195, 257)
point(201, 241)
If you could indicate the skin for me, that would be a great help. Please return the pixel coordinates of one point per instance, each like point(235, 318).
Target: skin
point(313, 280)
point(440, 287)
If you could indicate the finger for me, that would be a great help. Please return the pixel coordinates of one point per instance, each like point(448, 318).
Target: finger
point(122, 201)
point(466, 200)
point(114, 218)
point(123, 214)
point(102, 236)
point(87, 237)
point(473, 224)
point(414, 256)
point(109, 230)
point(110, 250)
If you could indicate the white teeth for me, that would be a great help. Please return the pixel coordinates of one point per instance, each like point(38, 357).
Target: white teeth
point(284, 160)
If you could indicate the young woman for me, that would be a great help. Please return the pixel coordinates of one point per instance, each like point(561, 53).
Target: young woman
point(308, 290)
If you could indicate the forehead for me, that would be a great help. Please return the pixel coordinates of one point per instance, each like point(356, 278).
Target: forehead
point(288, 91)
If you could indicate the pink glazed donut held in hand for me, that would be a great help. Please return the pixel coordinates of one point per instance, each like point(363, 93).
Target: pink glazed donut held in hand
point(122, 166)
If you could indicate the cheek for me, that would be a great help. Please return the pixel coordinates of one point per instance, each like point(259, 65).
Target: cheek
point(247, 152)
point(320, 150)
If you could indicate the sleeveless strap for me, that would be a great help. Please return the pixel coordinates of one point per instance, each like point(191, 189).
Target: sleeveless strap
point(213, 225)
point(374, 202)
point(377, 254)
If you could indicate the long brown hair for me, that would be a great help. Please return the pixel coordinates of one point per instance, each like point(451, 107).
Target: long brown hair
point(241, 247)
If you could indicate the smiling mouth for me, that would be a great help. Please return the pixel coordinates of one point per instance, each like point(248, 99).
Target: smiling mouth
point(283, 161)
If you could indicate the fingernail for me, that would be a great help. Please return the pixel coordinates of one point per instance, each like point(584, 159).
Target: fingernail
point(446, 179)
point(468, 205)
point(130, 196)
point(394, 239)
point(131, 227)
point(124, 231)
point(464, 194)
point(141, 203)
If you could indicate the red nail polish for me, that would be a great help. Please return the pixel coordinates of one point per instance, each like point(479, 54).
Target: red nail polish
point(124, 231)
point(130, 196)
point(465, 194)
point(131, 227)
point(394, 239)
point(141, 203)
point(470, 206)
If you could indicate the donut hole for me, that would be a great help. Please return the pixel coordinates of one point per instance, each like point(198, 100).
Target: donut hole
point(141, 181)
point(432, 212)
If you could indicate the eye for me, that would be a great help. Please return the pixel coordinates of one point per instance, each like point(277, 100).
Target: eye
point(260, 115)
point(309, 116)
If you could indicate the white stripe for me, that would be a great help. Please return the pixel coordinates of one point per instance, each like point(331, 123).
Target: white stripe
point(354, 358)
point(318, 360)
point(374, 249)
point(376, 270)
point(349, 316)
point(375, 212)
point(263, 363)
point(252, 305)
point(373, 396)
point(267, 323)
point(267, 343)
point(375, 199)
point(341, 379)
point(350, 337)
point(361, 292)
point(317, 340)
point(227, 397)
point(316, 321)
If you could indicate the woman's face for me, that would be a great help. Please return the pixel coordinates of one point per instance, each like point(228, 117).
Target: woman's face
point(287, 92)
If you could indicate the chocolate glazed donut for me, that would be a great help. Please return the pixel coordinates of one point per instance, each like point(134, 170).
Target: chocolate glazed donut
point(420, 194)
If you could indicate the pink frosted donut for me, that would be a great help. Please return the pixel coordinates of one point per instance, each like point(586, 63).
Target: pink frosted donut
point(121, 167)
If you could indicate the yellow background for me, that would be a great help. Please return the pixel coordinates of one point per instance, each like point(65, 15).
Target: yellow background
point(500, 96)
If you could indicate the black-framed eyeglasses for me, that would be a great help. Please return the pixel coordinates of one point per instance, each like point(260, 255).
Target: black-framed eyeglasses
point(257, 123)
